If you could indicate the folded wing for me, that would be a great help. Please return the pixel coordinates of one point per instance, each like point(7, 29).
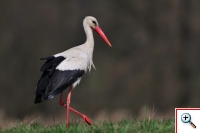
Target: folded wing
point(54, 81)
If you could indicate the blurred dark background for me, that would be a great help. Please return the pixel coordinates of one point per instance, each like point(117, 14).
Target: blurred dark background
point(154, 61)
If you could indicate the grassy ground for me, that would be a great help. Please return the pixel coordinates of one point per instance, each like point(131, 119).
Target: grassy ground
point(124, 126)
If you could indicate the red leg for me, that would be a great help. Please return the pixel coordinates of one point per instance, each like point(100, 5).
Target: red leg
point(68, 103)
point(86, 119)
point(61, 102)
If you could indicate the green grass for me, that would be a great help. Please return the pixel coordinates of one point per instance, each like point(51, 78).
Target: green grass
point(124, 126)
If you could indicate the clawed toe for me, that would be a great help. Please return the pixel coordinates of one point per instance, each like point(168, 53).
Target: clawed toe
point(86, 119)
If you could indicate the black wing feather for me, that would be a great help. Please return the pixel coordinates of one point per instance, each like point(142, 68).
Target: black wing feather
point(60, 80)
point(48, 68)
point(53, 81)
point(51, 63)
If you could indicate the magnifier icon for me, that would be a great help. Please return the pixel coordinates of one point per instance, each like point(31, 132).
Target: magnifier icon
point(186, 118)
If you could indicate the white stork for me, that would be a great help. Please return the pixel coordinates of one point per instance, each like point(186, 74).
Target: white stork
point(65, 70)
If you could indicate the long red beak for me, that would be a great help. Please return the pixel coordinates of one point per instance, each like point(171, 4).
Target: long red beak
point(100, 32)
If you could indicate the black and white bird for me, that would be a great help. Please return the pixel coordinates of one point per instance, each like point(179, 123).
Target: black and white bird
point(65, 70)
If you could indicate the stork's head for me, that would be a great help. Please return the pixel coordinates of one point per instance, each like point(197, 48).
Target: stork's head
point(92, 22)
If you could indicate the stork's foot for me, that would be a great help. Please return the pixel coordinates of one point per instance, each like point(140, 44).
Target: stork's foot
point(86, 119)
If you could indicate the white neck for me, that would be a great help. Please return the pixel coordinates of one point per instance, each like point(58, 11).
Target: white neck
point(89, 35)
point(89, 44)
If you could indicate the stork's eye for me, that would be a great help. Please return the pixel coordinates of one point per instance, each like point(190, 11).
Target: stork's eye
point(94, 22)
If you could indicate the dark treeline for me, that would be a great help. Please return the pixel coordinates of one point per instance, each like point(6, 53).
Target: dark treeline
point(154, 61)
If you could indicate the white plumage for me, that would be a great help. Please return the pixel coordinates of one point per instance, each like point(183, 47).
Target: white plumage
point(76, 58)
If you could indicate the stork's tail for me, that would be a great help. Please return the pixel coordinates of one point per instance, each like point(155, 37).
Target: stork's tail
point(38, 99)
